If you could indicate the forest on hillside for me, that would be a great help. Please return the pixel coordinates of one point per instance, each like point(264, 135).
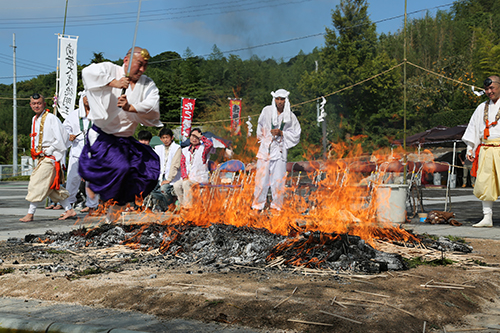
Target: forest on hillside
point(360, 73)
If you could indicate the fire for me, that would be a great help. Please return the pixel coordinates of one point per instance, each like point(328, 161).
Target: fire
point(334, 197)
point(339, 196)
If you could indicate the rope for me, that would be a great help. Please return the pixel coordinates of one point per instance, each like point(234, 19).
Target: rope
point(302, 103)
point(351, 86)
point(444, 77)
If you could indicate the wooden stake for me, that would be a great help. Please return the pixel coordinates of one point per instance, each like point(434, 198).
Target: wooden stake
point(365, 292)
point(338, 303)
point(454, 284)
point(309, 322)
point(363, 300)
point(442, 287)
point(187, 284)
point(394, 307)
point(336, 315)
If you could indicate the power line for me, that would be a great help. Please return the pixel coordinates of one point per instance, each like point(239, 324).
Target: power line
point(20, 62)
point(151, 15)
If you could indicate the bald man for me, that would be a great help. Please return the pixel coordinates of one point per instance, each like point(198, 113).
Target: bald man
point(117, 166)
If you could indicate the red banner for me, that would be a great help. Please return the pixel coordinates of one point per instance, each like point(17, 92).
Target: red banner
point(235, 109)
point(186, 116)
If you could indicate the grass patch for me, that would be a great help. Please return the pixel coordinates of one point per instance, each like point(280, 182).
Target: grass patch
point(467, 298)
point(53, 251)
point(418, 261)
point(456, 239)
point(433, 237)
point(16, 179)
point(479, 262)
point(214, 303)
point(4, 271)
point(91, 271)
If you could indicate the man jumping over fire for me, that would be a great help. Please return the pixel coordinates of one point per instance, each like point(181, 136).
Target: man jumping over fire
point(117, 166)
point(277, 131)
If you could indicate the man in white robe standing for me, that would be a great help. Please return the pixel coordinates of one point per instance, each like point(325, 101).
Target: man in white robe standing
point(49, 141)
point(482, 137)
point(277, 131)
point(117, 166)
point(77, 125)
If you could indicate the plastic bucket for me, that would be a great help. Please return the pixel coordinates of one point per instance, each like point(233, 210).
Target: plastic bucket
point(436, 178)
point(422, 217)
point(391, 203)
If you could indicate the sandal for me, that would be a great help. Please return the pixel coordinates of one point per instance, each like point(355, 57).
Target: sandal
point(50, 207)
point(58, 207)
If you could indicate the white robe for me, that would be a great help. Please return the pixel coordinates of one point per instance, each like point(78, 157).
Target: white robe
point(72, 126)
point(166, 161)
point(103, 100)
point(55, 138)
point(276, 148)
point(73, 179)
point(272, 157)
point(475, 130)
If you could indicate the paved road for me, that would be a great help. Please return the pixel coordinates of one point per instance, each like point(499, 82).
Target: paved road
point(34, 314)
point(464, 204)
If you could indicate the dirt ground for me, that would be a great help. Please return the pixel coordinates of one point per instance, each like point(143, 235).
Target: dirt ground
point(270, 299)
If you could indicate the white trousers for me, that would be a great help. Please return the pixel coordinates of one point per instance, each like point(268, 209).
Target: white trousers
point(269, 174)
point(183, 189)
point(73, 181)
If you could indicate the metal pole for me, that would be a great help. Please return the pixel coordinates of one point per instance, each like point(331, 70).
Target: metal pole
point(404, 101)
point(133, 45)
point(14, 110)
point(65, 13)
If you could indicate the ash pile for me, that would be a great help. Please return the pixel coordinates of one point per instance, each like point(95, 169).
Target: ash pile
point(221, 245)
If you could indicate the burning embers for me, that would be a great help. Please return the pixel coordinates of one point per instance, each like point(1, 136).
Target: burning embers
point(220, 245)
point(329, 222)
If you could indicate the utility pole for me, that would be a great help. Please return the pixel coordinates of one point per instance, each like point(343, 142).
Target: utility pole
point(14, 116)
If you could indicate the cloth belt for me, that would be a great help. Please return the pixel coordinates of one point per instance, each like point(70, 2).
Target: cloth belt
point(475, 164)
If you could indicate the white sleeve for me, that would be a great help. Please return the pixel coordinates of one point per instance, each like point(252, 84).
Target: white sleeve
point(291, 133)
point(475, 130)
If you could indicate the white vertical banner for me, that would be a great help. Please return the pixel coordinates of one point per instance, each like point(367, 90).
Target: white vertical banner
point(67, 74)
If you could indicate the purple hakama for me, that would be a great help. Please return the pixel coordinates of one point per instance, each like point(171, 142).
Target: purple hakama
point(119, 168)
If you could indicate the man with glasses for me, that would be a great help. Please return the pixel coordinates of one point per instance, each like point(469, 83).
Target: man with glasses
point(117, 166)
point(49, 141)
point(482, 137)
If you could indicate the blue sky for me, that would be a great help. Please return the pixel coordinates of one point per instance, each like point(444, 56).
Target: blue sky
point(108, 26)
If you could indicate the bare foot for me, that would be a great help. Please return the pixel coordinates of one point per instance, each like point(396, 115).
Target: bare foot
point(27, 218)
point(58, 207)
point(84, 210)
point(50, 207)
point(68, 214)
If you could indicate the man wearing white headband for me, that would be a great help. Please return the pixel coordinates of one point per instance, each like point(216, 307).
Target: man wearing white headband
point(277, 131)
point(77, 124)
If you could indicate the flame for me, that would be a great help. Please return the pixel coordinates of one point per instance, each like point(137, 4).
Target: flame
point(335, 197)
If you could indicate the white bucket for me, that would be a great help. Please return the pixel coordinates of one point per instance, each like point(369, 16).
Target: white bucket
point(391, 203)
point(436, 177)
